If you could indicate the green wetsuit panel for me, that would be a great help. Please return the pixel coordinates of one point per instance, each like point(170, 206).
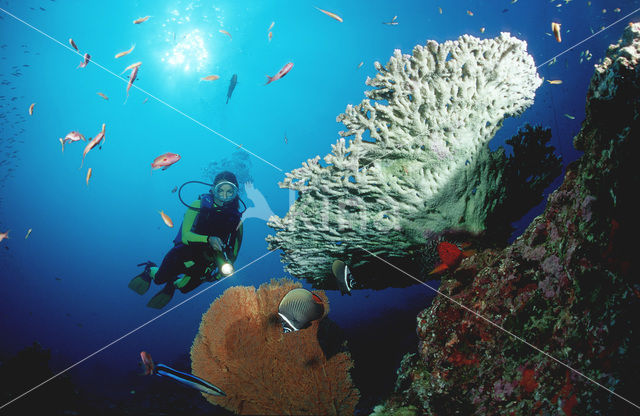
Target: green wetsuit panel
point(189, 236)
point(182, 282)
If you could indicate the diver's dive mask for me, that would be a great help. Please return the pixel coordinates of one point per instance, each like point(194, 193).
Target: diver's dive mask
point(225, 191)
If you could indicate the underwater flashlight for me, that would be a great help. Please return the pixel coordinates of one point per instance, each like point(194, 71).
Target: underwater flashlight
point(226, 269)
point(224, 265)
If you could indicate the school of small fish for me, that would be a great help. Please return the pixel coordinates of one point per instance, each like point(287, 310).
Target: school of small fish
point(168, 159)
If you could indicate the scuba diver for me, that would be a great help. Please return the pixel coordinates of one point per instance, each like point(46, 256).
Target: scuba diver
point(206, 246)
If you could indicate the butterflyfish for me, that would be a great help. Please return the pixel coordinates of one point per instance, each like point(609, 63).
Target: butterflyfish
point(298, 308)
point(343, 276)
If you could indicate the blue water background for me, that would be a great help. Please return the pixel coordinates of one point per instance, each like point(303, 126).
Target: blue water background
point(66, 285)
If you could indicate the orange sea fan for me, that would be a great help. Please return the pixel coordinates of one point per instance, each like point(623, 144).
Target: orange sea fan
point(242, 349)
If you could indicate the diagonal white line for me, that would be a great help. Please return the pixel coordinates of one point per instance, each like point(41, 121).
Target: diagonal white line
point(140, 89)
point(586, 39)
point(130, 332)
point(501, 328)
point(212, 285)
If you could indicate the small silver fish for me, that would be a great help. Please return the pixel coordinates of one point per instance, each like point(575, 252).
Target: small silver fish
point(392, 22)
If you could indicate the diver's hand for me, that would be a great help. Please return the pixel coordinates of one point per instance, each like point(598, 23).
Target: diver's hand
point(213, 277)
point(215, 243)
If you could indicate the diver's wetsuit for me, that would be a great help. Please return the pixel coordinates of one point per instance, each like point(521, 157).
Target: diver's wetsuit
point(192, 255)
point(189, 259)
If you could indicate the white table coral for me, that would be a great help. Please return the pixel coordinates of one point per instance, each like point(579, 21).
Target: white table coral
point(418, 162)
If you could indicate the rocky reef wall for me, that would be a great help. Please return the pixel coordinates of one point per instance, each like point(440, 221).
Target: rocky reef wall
point(565, 295)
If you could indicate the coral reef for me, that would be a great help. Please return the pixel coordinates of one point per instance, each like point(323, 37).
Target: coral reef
point(526, 173)
point(241, 348)
point(418, 164)
point(30, 366)
point(567, 285)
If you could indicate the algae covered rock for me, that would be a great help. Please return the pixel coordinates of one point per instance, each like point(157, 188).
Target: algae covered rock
point(549, 324)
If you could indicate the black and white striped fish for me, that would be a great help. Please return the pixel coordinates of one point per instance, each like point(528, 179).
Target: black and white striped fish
point(343, 275)
point(184, 378)
point(189, 380)
point(298, 308)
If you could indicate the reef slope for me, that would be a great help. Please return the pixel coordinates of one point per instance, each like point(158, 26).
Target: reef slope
point(567, 286)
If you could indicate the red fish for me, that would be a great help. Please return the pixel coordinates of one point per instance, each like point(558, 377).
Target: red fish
point(87, 57)
point(74, 136)
point(93, 143)
point(4, 235)
point(164, 161)
point(140, 20)
point(284, 71)
point(132, 77)
point(147, 361)
point(450, 255)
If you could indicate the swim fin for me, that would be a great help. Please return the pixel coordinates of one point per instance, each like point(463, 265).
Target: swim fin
point(160, 299)
point(140, 284)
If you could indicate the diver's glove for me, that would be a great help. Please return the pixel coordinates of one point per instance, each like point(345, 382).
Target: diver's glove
point(216, 243)
point(213, 277)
